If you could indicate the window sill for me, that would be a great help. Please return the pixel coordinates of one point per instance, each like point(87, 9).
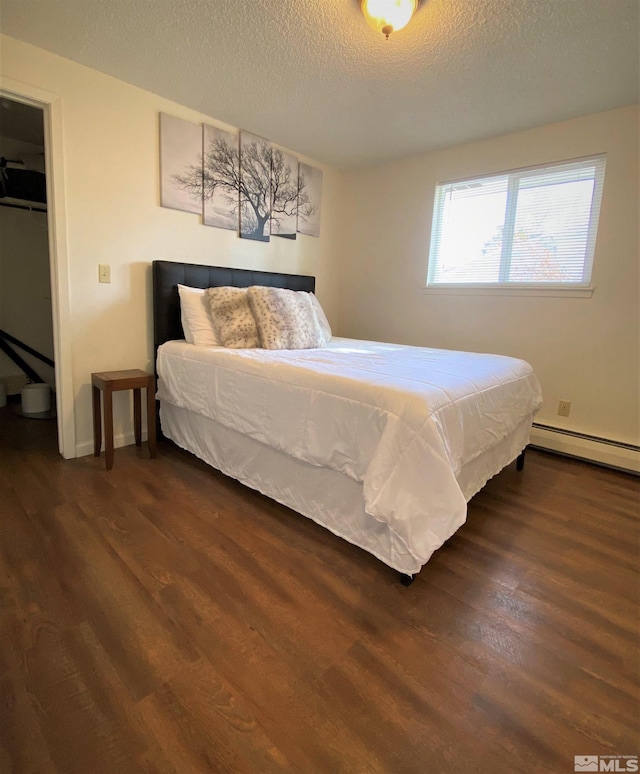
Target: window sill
point(510, 290)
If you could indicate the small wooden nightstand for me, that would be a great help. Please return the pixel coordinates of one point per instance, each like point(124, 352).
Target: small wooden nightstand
point(113, 381)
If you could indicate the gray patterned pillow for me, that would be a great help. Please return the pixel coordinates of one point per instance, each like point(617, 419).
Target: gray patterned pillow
point(322, 317)
point(232, 317)
point(286, 318)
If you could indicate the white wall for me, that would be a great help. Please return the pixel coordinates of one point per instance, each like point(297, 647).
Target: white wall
point(113, 216)
point(585, 350)
point(25, 292)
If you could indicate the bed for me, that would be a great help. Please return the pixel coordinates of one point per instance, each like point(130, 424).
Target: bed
point(382, 444)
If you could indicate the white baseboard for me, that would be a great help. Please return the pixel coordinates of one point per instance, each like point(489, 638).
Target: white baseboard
point(601, 451)
point(86, 448)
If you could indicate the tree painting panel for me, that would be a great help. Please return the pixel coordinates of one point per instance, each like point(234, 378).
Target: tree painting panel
point(220, 178)
point(284, 194)
point(180, 155)
point(255, 187)
point(309, 199)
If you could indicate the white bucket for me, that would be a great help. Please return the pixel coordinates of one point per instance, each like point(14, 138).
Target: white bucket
point(36, 398)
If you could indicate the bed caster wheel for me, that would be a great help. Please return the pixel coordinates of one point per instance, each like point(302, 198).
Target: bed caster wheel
point(406, 580)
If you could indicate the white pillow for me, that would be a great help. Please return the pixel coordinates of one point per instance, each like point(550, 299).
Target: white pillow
point(196, 319)
point(322, 317)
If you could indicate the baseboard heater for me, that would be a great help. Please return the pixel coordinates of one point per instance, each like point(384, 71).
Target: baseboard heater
point(604, 451)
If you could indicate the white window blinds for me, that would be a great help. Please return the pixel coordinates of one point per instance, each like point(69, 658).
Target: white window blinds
point(527, 227)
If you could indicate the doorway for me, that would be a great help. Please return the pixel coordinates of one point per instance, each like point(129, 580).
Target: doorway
point(50, 106)
point(26, 324)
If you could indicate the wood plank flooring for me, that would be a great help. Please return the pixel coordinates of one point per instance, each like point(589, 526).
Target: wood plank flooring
point(160, 617)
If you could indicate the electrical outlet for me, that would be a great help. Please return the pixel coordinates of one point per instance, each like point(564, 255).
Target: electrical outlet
point(104, 272)
point(564, 408)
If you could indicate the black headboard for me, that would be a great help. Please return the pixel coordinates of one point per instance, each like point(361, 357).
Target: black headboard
point(167, 275)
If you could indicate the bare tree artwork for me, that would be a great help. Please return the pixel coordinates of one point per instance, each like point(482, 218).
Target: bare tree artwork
point(284, 190)
point(255, 187)
point(234, 182)
point(180, 154)
point(309, 198)
point(215, 177)
point(221, 178)
point(251, 185)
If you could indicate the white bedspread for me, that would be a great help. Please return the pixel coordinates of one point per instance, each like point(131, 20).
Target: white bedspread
point(401, 420)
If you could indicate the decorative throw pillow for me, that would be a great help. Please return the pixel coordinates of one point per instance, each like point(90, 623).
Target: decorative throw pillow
point(196, 318)
point(286, 318)
point(232, 317)
point(322, 317)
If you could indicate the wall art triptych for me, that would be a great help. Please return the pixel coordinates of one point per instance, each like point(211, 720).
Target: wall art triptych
point(180, 164)
point(238, 182)
point(220, 176)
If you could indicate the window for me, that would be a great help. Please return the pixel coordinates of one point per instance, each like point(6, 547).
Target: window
point(529, 228)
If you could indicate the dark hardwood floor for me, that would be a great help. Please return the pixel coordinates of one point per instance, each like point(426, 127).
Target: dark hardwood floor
point(160, 617)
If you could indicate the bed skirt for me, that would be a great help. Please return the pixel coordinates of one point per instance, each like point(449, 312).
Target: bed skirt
point(326, 496)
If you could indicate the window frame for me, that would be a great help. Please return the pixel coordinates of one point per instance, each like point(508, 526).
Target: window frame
point(514, 177)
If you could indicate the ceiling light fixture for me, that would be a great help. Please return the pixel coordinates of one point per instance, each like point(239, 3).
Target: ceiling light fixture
point(387, 16)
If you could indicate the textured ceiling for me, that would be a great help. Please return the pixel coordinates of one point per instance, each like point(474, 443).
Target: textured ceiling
point(312, 76)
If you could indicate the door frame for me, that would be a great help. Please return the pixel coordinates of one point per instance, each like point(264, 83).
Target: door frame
point(51, 104)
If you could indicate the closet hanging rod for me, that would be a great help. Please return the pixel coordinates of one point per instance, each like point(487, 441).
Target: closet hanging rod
point(22, 207)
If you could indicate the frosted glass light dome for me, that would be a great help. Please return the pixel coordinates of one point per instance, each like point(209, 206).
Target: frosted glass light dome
point(388, 16)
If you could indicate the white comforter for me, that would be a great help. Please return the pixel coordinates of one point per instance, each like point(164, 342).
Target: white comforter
point(401, 420)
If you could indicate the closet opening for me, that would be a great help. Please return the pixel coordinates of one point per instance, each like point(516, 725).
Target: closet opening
point(27, 366)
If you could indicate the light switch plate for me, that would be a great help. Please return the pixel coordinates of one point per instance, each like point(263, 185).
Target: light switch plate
point(104, 272)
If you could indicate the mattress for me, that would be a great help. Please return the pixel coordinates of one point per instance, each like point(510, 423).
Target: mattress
point(404, 423)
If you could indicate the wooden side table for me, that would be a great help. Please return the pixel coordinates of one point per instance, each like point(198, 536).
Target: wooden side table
point(109, 382)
